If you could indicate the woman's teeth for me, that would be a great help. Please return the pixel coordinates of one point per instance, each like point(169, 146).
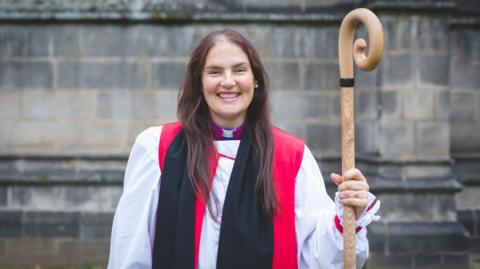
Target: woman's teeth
point(228, 95)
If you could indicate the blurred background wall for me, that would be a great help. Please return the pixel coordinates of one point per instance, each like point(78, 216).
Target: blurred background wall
point(80, 79)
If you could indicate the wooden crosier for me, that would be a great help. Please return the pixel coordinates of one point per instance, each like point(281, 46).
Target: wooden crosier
point(347, 53)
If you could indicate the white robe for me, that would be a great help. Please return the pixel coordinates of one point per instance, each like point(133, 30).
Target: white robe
point(319, 243)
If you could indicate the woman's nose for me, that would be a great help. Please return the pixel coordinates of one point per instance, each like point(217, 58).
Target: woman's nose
point(228, 81)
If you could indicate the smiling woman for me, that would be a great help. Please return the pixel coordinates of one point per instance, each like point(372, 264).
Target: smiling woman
point(223, 188)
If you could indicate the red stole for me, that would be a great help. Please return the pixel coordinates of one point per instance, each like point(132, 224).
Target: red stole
point(287, 157)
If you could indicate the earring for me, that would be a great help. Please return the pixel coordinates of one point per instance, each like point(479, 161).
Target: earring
point(256, 86)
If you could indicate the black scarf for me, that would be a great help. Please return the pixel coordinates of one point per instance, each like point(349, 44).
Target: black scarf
point(246, 234)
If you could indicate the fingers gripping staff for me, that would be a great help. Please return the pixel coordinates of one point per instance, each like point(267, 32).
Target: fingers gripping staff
point(347, 53)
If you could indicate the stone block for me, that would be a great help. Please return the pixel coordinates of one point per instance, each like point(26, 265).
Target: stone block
point(109, 40)
point(168, 41)
point(462, 106)
point(390, 105)
point(16, 74)
point(466, 44)
point(431, 33)
point(467, 219)
point(168, 75)
point(464, 75)
point(396, 139)
point(336, 104)
point(3, 196)
point(326, 43)
point(96, 225)
point(115, 104)
point(468, 199)
point(28, 252)
point(326, 4)
point(11, 223)
point(58, 105)
point(2, 248)
point(10, 104)
point(51, 224)
point(442, 105)
point(85, 251)
point(33, 134)
point(366, 105)
point(441, 261)
point(406, 32)
point(109, 136)
point(321, 76)
point(432, 139)
point(36, 198)
point(366, 81)
point(434, 70)
point(286, 42)
point(24, 40)
point(381, 261)
point(324, 138)
point(155, 105)
point(464, 138)
point(137, 105)
point(418, 104)
point(295, 128)
point(366, 137)
point(291, 105)
point(102, 75)
point(66, 40)
point(426, 207)
point(390, 24)
point(397, 70)
point(269, 4)
point(283, 76)
point(422, 238)
point(477, 108)
point(91, 198)
point(424, 172)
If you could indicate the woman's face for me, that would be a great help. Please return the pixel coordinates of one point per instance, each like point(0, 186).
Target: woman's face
point(228, 84)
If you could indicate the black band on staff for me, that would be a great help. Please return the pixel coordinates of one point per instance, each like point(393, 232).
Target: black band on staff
point(346, 82)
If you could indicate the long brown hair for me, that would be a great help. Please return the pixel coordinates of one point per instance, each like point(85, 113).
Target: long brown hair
point(194, 114)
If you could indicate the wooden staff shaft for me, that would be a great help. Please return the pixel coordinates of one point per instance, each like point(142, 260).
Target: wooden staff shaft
point(348, 162)
point(349, 51)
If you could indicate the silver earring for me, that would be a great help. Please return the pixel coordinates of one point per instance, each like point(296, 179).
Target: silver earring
point(256, 86)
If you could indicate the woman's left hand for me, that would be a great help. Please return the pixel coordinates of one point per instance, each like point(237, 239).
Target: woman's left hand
point(353, 189)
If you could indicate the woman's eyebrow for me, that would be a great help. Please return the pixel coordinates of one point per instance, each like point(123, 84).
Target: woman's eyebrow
point(213, 66)
point(240, 64)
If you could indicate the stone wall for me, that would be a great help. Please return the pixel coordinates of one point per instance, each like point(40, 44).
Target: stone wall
point(79, 81)
point(465, 123)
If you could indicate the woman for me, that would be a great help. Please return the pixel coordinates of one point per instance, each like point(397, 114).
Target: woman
point(222, 188)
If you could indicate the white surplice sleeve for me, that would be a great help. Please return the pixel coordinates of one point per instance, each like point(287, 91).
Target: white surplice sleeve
point(134, 221)
point(319, 242)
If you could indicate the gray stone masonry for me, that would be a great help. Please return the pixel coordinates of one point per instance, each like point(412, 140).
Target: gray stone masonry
point(79, 80)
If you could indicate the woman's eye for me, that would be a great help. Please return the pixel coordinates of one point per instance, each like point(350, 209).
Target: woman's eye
point(241, 70)
point(213, 72)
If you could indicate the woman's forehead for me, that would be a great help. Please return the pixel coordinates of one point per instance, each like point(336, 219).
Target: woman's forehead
point(225, 53)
